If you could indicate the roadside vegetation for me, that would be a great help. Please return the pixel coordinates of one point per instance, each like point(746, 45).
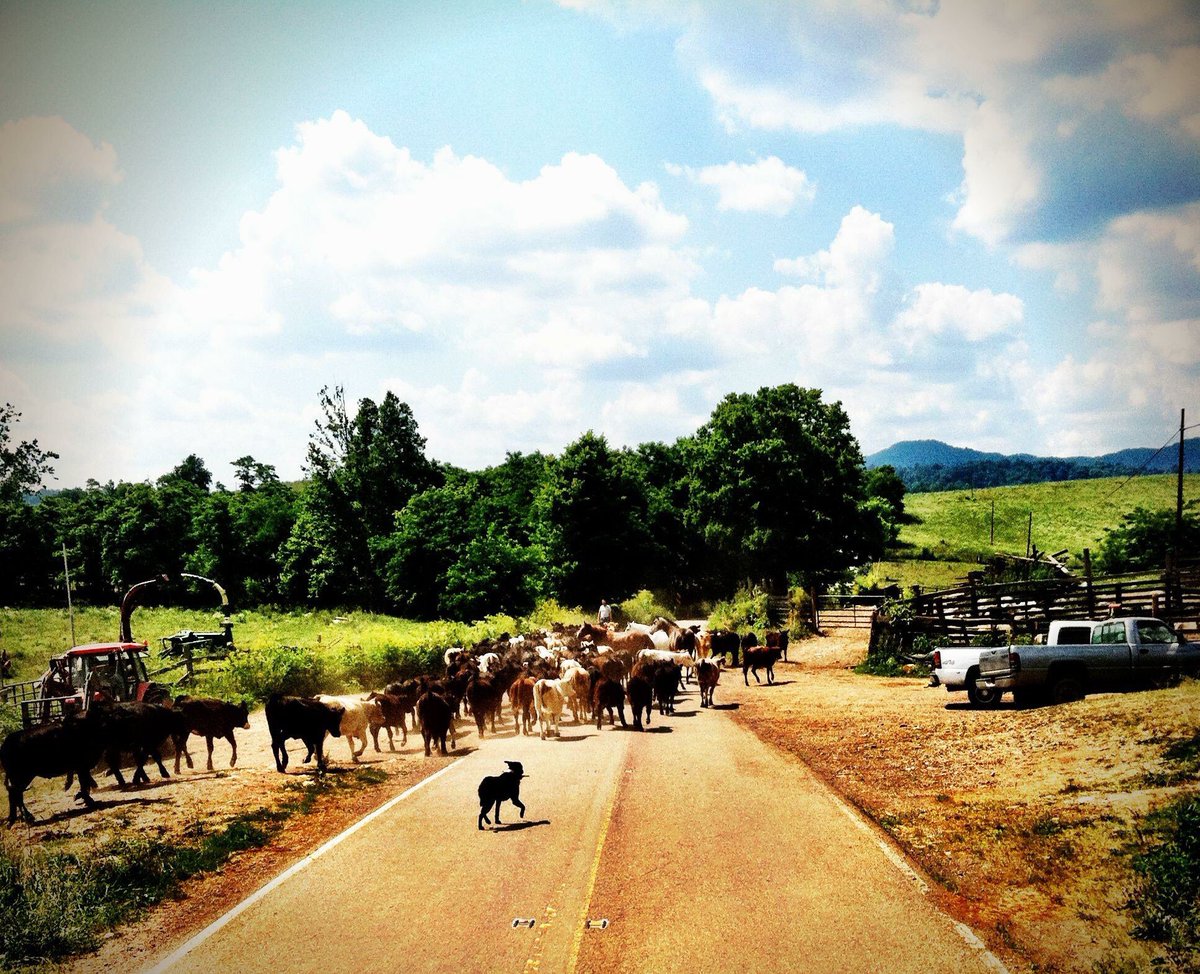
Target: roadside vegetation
point(58, 903)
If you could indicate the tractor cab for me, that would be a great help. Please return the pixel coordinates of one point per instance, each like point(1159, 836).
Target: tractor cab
point(116, 671)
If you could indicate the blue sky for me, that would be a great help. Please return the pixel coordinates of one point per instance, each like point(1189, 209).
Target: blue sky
point(966, 221)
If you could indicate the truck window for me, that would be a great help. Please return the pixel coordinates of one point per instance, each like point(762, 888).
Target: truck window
point(1153, 631)
point(1074, 635)
point(1109, 633)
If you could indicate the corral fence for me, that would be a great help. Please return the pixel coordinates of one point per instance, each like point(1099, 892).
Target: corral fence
point(847, 611)
point(956, 616)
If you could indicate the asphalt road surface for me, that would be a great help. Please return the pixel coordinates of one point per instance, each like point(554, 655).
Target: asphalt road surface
point(691, 847)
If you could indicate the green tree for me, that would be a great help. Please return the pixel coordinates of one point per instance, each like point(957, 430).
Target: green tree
point(239, 534)
point(24, 466)
point(594, 524)
point(361, 471)
point(777, 487)
point(26, 568)
point(1144, 538)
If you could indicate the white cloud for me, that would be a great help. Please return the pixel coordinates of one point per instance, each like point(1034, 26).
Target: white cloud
point(766, 186)
point(938, 310)
point(50, 171)
point(863, 243)
point(514, 315)
point(1020, 83)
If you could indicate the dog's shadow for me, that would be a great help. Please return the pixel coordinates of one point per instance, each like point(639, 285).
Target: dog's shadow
point(518, 826)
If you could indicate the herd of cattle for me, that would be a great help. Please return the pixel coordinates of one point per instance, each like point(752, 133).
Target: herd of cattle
point(591, 672)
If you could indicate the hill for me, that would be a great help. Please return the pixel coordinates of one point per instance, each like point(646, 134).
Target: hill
point(1070, 515)
point(927, 465)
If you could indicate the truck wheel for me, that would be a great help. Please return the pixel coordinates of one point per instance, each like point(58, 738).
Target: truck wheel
point(1066, 689)
point(983, 696)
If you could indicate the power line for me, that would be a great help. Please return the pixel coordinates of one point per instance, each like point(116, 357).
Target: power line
point(1149, 460)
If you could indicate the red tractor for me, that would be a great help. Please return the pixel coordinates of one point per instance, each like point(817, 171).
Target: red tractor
point(96, 671)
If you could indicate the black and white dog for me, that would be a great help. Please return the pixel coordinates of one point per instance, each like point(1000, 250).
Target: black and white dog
point(496, 788)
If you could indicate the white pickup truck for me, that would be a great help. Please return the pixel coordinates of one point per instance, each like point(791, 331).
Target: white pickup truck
point(1123, 652)
point(957, 667)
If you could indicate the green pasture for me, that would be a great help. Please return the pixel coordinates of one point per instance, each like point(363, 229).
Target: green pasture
point(957, 525)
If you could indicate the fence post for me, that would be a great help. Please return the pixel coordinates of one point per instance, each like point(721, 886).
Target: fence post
point(1087, 574)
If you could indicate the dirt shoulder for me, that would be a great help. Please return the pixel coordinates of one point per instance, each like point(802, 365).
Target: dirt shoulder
point(1018, 817)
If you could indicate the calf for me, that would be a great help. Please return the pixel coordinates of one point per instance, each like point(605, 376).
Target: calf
point(393, 709)
point(437, 720)
point(485, 697)
point(608, 695)
point(549, 702)
point(520, 695)
point(209, 718)
point(725, 642)
point(357, 716)
point(759, 658)
point(305, 719)
point(71, 748)
point(139, 729)
point(666, 682)
point(577, 687)
point(708, 672)
point(497, 788)
point(641, 698)
point(778, 639)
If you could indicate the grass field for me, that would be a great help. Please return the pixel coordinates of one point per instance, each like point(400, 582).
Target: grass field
point(32, 636)
point(957, 525)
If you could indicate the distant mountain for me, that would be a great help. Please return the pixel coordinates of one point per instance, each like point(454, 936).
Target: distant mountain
point(926, 465)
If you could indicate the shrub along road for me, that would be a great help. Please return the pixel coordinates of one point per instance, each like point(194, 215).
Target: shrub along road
point(702, 848)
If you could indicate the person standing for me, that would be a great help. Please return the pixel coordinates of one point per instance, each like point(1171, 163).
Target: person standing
point(604, 616)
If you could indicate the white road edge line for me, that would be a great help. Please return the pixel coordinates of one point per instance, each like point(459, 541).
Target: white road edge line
point(966, 933)
point(288, 873)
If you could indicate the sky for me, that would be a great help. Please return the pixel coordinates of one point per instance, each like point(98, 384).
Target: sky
point(965, 221)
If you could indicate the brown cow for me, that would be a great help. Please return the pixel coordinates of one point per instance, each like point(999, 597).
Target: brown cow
point(520, 695)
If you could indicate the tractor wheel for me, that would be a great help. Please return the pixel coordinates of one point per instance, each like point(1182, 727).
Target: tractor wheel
point(156, 693)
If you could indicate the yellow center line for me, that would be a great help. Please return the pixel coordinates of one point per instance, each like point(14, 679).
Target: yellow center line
point(577, 943)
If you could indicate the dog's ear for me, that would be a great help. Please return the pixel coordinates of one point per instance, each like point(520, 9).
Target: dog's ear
point(515, 766)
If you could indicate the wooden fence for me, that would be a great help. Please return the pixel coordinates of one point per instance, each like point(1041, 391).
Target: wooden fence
point(959, 614)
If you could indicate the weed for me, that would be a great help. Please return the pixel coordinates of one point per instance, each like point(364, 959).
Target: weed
point(57, 904)
point(1165, 902)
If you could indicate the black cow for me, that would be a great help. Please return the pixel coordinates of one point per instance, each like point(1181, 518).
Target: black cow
point(759, 658)
point(209, 718)
point(725, 642)
point(609, 695)
point(71, 748)
point(304, 719)
point(437, 720)
point(139, 729)
point(666, 682)
point(641, 698)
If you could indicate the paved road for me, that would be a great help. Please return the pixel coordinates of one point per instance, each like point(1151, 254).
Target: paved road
point(703, 849)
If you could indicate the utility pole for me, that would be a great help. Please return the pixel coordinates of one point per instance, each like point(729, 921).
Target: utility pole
point(1179, 494)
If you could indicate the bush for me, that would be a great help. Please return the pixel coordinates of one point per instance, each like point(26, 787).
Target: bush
point(257, 673)
point(547, 612)
point(745, 611)
point(642, 607)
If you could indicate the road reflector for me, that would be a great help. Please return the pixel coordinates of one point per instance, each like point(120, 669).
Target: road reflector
point(597, 924)
point(518, 922)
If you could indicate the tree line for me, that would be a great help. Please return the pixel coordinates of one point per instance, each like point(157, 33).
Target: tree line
point(772, 489)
